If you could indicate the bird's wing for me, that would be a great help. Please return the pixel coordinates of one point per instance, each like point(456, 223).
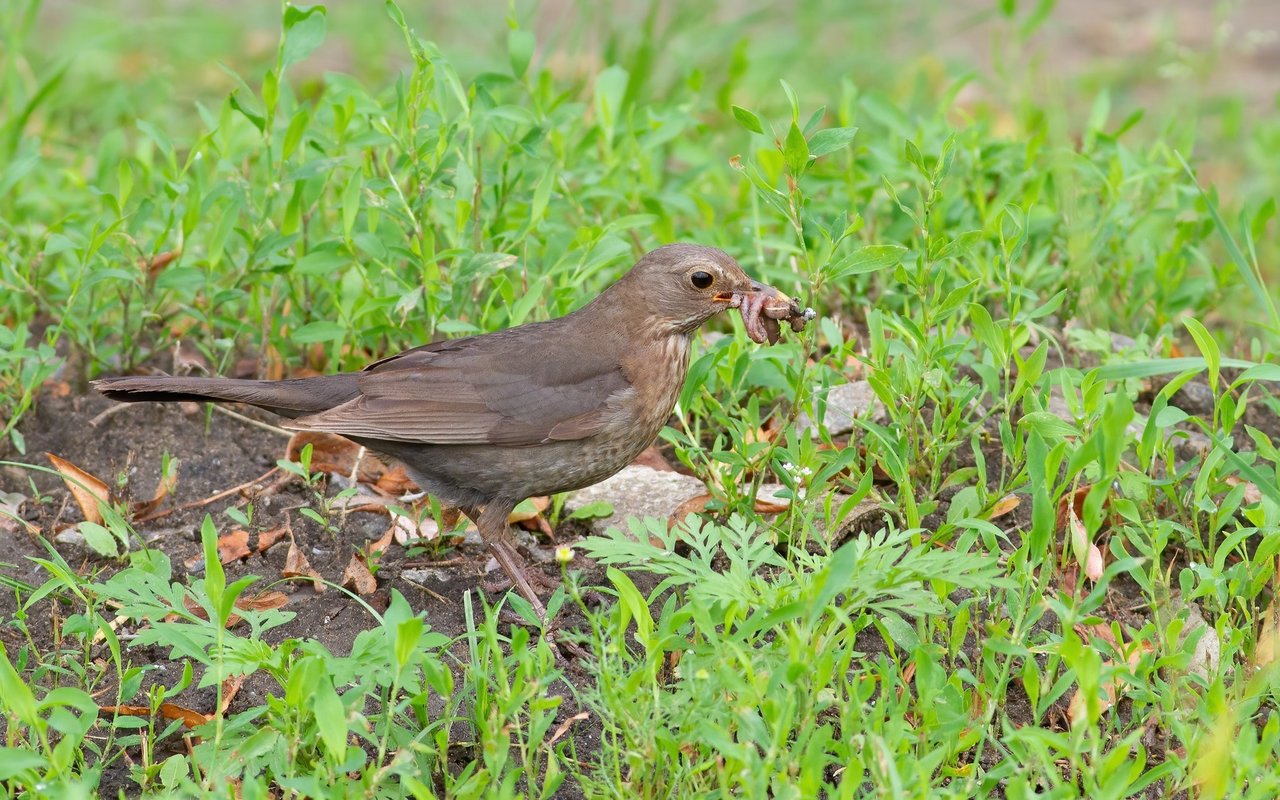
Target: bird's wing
point(502, 388)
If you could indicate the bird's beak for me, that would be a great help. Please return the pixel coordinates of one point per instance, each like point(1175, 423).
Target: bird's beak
point(762, 306)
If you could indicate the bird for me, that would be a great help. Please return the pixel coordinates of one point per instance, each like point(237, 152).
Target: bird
point(487, 421)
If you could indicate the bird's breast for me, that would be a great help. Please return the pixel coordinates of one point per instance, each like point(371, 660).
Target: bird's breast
point(657, 375)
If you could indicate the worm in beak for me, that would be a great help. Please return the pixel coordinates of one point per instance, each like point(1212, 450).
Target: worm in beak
point(763, 307)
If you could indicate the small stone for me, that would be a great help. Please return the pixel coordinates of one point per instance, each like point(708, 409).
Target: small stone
point(845, 402)
point(427, 575)
point(636, 491)
point(72, 539)
point(1194, 398)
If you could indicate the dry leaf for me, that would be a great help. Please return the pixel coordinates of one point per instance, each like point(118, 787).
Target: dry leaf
point(156, 264)
point(297, 566)
point(230, 688)
point(87, 490)
point(409, 531)
point(529, 509)
point(10, 512)
point(358, 578)
point(382, 544)
point(1007, 504)
point(651, 457)
point(1132, 652)
point(1252, 494)
point(694, 505)
point(564, 727)
point(771, 503)
point(263, 601)
point(167, 710)
point(268, 538)
point(234, 546)
point(1072, 504)
point(1264, 653)
point(167, 484)
point(257, 602)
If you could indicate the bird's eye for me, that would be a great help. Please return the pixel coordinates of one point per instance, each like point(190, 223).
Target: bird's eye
point(701, 280)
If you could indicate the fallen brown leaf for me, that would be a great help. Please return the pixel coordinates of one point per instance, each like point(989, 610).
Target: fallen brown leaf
point(563, 728)
point(1252, 494)
point(1072, 504)
point(694, 505)
point(651, 457)
point(529, 509)
point(358, 578)
point(268, 538)
point(408, 531)
point(296, 565)
point(166, 485)
point(87, 490)
point(257, 602)
point(234, 546)
point(10, 512)
point(382, 544)
point(1007, 504)
point(230, 688)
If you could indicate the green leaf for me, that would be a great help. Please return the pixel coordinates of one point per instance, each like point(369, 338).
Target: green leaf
point(872, 258)
point(259, 121)
point(321, 262)
point(796, 151)
point(1208, 348)
point(99, 538)
point(831, 140)
point(632, 605)
point(15, 696)
point(792, 99)
point(331, 718)
point(319, 331)
point(1163, 366)
point(520, 47)
point(611, 88)
point(747, 119)
point(1248, 268)
point(15, 760)
point(1169, 416)
point(598, 509)
point(303, 32)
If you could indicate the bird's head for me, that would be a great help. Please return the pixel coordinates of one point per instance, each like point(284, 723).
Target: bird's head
point(684, 285)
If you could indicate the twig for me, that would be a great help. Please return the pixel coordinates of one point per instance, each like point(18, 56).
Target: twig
point(225, 493)
point(114, 409)
point(266, 426)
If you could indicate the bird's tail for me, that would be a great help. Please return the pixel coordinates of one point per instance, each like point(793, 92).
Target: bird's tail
point(289, 398)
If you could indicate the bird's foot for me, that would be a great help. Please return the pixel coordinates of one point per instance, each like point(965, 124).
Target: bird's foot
point(499, 582)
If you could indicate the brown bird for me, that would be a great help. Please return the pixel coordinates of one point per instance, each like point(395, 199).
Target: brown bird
point(484, 422)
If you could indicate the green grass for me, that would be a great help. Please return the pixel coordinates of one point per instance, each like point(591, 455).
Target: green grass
point(972, 258)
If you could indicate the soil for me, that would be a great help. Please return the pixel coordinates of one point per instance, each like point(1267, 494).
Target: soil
point(218, 452)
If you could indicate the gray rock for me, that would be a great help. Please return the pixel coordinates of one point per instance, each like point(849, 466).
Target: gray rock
point(636, 491)
point(72, 539)
point(844, 403)
point(1194, 398)
point(428, 575)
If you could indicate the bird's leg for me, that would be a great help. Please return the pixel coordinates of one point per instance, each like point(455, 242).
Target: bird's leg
point(492, 522)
